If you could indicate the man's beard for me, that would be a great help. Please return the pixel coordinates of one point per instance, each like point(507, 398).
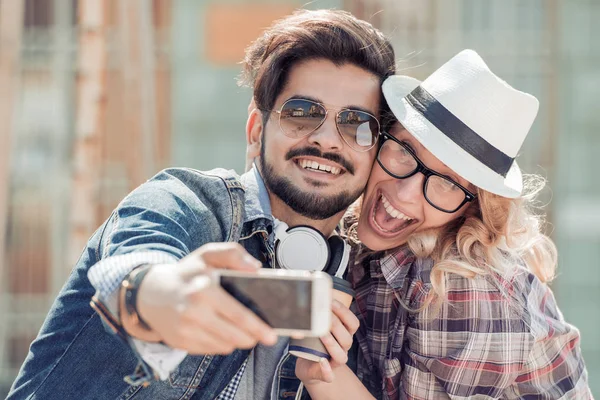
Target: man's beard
point(310, 205)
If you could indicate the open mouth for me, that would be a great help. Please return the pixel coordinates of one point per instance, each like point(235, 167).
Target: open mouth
point(319, 167)
point(388, 219)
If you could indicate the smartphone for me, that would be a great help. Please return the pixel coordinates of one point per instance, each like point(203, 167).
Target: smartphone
point(291, 302)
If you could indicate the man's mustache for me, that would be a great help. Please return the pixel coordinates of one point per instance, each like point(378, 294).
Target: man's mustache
point(314, 152)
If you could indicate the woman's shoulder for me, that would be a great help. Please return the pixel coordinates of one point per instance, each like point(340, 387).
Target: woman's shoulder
point(515, 300)
point(505, 286)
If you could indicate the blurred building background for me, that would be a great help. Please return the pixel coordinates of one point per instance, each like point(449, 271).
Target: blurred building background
point(98, 95)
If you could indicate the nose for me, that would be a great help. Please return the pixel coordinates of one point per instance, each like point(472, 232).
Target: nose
point(327, 136)
point(410, 190)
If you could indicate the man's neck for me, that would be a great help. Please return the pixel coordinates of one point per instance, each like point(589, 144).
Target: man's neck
point(284, 213)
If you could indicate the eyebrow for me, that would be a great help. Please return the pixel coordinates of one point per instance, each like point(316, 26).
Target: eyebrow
point(351, 106)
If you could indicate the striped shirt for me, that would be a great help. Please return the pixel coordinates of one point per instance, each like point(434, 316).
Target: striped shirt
point(492, 338)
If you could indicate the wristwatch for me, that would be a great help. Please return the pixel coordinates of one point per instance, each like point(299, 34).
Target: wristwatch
point(128, 298)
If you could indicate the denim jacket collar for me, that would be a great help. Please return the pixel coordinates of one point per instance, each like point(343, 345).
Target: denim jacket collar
point(257, 205)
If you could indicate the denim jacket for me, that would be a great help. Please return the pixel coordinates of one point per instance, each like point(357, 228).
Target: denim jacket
point(173, 213)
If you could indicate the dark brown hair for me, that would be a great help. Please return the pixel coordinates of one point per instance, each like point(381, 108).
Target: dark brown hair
point(333, 35)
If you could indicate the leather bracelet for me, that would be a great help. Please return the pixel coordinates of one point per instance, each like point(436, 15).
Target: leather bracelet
point(131, 285)
point(108, 318)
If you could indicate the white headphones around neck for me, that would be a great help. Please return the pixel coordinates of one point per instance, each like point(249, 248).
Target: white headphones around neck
point(305, 248)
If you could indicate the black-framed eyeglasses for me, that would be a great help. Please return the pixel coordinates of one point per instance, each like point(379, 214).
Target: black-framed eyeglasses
point(399, 161)
point(301, 117)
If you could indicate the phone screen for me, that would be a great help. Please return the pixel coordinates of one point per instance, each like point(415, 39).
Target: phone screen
point(281, 303)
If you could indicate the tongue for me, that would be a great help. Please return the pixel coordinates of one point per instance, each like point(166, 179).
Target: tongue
point(387, 222)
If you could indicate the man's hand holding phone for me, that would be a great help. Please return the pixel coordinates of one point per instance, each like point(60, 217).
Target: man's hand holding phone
point(187, 311)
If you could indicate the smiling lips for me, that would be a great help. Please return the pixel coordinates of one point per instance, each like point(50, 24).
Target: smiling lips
point(388, 219)
point(315, 166)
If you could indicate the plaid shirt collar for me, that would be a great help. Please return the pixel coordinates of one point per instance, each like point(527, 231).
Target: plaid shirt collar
point(381, 279)
point(395, 267)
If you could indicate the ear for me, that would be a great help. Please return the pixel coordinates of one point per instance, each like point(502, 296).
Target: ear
point(254, 135)
point(251, 106)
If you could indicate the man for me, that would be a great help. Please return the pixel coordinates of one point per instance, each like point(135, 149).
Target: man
point(316, 78)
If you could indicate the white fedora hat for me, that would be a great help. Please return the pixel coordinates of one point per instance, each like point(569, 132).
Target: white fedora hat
point(469, 118)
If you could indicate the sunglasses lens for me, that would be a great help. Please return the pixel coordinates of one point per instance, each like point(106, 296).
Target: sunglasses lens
point(359, 129)
point(301, 117)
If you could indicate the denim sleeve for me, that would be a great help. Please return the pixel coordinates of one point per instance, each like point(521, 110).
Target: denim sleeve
point(161, 221)
point(158, 223)
point(106, 276)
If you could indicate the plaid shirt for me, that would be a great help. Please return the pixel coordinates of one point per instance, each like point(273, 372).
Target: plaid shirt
point(232, 387)
point(493, 337)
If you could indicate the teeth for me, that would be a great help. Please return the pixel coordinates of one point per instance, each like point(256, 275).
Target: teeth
point(315, 165)
point(392, 211)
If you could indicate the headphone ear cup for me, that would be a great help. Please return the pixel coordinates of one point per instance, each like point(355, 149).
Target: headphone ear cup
point(301, 248)
point(336, 248)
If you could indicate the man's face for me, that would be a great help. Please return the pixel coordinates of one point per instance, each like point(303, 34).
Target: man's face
point(288, 164)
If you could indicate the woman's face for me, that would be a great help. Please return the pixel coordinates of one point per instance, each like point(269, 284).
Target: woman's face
point(393, 209)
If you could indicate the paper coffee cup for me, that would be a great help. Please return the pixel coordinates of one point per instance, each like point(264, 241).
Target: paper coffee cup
point(311, 348)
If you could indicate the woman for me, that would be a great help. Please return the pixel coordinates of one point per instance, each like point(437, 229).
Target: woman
point(452, 271)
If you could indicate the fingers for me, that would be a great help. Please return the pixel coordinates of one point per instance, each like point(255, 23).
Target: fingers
point(218, 255)
point(339, 341)
point(236, 313)
point(338, 355)
point(312, 372)
point(215, 336)
point(231, 334)
point(227, 255)
point(346, 316)
point(341, 334)
point(199, 342)
point(326, 371)
point(213, 322)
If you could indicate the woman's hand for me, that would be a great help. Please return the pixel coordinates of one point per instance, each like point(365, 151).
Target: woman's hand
point(338, 342)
